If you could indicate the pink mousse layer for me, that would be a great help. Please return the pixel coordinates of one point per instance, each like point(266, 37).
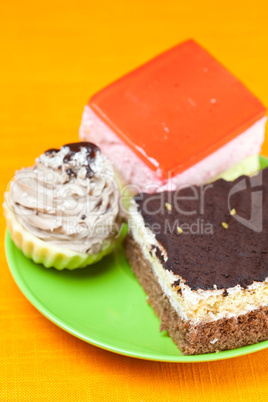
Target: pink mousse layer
point(134, 171)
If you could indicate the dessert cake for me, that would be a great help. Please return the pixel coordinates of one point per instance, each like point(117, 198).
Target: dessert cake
point(181, 118)
point(64, 210)
point(201, 255)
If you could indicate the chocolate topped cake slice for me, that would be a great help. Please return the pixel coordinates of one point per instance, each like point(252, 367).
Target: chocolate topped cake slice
point(201, 255)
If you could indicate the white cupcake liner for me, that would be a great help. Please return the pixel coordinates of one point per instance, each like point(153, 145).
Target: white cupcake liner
point(48, 254)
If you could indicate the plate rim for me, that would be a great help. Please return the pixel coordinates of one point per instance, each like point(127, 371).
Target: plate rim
point(26, 291)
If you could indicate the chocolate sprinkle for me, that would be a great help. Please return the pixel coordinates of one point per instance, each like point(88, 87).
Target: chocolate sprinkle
point(176, 283)
point(202, 257)
point(70, 172)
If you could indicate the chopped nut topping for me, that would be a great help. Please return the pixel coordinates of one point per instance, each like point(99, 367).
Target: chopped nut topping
point(168, 206)
point(179, 230)
point(225, 225)
point(233, 212)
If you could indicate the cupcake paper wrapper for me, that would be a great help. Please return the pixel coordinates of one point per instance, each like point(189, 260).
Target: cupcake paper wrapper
point(48, 254)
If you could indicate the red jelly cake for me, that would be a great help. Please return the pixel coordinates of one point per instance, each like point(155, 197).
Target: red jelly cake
point(181, 118)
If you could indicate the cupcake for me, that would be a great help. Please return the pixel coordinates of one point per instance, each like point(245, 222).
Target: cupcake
point(64, 211)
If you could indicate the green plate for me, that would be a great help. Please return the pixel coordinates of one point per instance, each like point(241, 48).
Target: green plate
point(103, 305)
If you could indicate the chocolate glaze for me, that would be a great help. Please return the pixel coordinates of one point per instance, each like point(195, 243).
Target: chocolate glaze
point(74, 147)
point(221, 257)
point(51, 151)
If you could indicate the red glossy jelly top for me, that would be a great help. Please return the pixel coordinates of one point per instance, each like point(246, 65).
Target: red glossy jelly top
point(178, 108)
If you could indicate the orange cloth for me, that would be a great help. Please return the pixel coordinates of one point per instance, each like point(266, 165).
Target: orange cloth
point(54, 55)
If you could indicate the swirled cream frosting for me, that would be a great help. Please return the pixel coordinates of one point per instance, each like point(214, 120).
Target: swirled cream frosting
point(69, 198)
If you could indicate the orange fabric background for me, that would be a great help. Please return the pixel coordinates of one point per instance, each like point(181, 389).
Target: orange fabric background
point(54, 55)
